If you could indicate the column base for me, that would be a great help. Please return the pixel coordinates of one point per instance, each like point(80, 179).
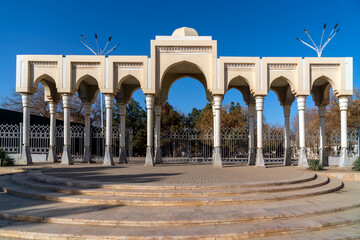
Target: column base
point(303, 162)
point(251, 158)
point(108, 158)
point(51, 157)
point(122, 155)
point(66, 156)
point(217, 162)
point(287, 157)
point(158, 159)
point(323, 159)
point(259, 158)
point(149, 160)
point(87, 155)
point(25, 157)
point(344, 161)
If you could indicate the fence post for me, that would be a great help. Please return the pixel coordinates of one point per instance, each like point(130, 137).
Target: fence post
point(358, 142)
point(21, 138)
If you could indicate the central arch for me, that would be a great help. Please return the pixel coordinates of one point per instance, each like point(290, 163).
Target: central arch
point(180, 70)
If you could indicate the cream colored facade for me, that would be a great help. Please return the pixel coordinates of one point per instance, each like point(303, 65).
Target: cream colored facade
point(184, 54)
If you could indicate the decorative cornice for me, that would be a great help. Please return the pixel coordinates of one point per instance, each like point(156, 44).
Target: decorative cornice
point(282, 66)
point(128, 65)
point(35, 64)
point(240, 65)
point(324, 65)
point(184, 49)
point(85, 64)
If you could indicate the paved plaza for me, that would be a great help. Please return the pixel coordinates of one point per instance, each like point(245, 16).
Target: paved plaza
point(176, 201)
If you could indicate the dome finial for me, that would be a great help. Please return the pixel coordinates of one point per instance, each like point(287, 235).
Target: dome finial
point(185, 31)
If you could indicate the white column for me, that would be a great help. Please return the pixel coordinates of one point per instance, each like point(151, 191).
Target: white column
point(259, 105)
point(158, 159)
point(66, 154)
point(109, 104)
point(322, 154)
point(87, 147)
point(214, 120)
point(302, 163)
point(344, 161)
point(149, 160)
point(251, 114)
point(217, 162)
point(287, 150)
point(25, 157)
point(122, 150)
point(51, 157)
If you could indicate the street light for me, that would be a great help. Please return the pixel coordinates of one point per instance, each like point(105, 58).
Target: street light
point(99, 52)
point(321, 47)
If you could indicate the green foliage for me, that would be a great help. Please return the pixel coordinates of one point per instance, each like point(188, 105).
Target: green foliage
point(192, 118)
point(356, 165)
point(5, 159)
point(170, 118)
point(315, 165)
point(136, 120)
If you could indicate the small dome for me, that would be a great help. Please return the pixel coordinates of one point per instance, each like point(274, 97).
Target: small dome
point(185, 31)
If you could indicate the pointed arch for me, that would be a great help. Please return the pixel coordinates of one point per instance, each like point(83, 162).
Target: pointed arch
point(178, 71)
point(127, 85)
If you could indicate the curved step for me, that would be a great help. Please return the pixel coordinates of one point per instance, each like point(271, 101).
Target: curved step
point(14, 189)
point(39, 176)
point(19, 208)
point(23, 180)
point(230, 231)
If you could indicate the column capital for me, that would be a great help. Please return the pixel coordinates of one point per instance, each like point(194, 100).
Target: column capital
point(344, 103)
point(109, 100)
point(67, 100)
point(157, 110)
point(287, 109)
point(52, 107)
point(259, 103)
point(122, 109)
point(301, 101)
point(87, 108)
point(26, 99)
point(251, 110)
point(322, 110)
point(149, 101)
point(217, 102)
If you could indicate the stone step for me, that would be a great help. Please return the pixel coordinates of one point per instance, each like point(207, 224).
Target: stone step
point(39, 176)
point(33, 210)
point(339, 233)
point(22, 179)
point(19, 190)
point(28, 230)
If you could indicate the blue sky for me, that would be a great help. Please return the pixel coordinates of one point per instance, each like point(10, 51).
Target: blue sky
point(242, 28)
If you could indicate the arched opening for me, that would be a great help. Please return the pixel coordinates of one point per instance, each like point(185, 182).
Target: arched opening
point(178, 71)
point(129, 93)
point(43, 94)
point(235, 121)
point(277, 134)
point(320, 90)
point(183, 116)
point(325, 141)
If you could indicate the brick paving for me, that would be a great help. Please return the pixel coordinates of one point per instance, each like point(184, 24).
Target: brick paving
point(175, 173)
point(333, 214)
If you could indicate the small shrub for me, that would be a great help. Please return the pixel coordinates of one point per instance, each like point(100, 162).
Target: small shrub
point(356, 165)
point(315, 165)
point(5, 159)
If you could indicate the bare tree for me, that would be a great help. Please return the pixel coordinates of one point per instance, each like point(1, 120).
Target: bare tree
point(41, 108)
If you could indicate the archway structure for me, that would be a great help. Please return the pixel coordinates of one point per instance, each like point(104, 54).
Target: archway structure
point(185, 53)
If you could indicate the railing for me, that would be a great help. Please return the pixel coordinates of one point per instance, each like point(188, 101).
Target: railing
point(194, 145)
point(39, 136)
point(182, 144)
